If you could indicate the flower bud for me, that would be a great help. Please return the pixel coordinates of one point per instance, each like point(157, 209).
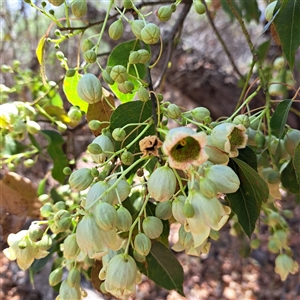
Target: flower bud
point(119, 134)
point(55, 276)
point(173, 111)
point(142, 244)
point(150, 34)
point(270, 10)
point(188, 210)
point(94, 148)
point(119, 74)
point(69, 293)
point(75, 114)
point(89, 88)
point(138, 257)
point(116, 29)
point(98, 192)
point(71, 248)
point(199, 7)
point(145, 56)
point(122, 190)
point(124, 220)
point(121, 276)
point(199, 113)
point(162, 184)
point(279, 63)
point(105, 216)
point(291, 141)
point(106, 77)
point(81, 179)
point(45, 243)
point(136, 27)
point(224, 178)
point(163, 210)
point(79, 8)
point(73, 278)
point(106, 145)
point(90, 56)
point(242, 119)
point(127, 158)
point(87, 45)
point(164, 13)
point(152, 227)
point(36, 231)
point(207, 188)
point(134, 57)
point(32, 127)
point(46, 210)
point(127, 4)
point(55, 2)
point(143, 94)
point(177, 209)
point(126, 87)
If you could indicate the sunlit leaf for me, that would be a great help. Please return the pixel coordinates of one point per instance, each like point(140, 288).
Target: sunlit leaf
point(40, 56)
point(289, 179)
point(70, 90)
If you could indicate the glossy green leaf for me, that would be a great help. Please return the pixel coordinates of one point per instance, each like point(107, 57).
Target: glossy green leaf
point(279, 118)
point(70, 90)
point(163, 268)
point(288, 28)
point(289, 179)
point(119, 56)
point(296, 163)
point(247, 200)
point(55, 151)
point(248, 156)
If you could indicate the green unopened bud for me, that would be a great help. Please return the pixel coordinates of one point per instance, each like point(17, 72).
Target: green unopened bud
point(106, 145)
point(124, 220)
point(173, 111)
point(145, 56)
point(55, 276)
point(207, 188)
point(90, 56)
point(36, 232)
point(138, 257)
point(164, 13)
point(87, 45)
point(106, 77)
point(45, 243)
point(177, 209)
point(162, 184)
point(163, 210)
point(32, 127)
point(119, 74)
point(60, 55)
point(94, 124)
point(116, 29)
point(28, 163)
point(81, 179)
point(56, 2)
point(94, 148)
point(269, 11)
point(105, 216)
point(89, 88)
point(73, 278)
point(136, 27)
point(199, 113)
point(75, 114)
point(71, 248)
point(127, 4)
point(152, 227)
point(79, 8)
point(199, 7)
point(291, 141)
point(119, 134)
point(70, 72)
point(126, 87)
point(150, 34)
point(67, 170)
point(59, 205)
point(142, 244)
point(67, 292)
point(127, 158)
point(260, 140)
point(242, 119)
point(134, 57)
point(143, 94)
point(46, 210)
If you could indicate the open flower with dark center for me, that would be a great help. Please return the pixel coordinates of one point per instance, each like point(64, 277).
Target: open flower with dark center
point(185, 147)
point(229, 138)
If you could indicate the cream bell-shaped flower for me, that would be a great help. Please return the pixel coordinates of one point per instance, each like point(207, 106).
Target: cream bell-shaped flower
point(121, 276)
point(185, 147)
point(229, 137)
point(23, 249)
point(284, 265)
point(209, 214)
point(94, 241)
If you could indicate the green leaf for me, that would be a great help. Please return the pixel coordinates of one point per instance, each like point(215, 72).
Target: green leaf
point(12, 147)
point(132, 112)
point(119, 56)
point(247, 200)
point(41, 187)
point(289, 179)
point(56, 197)
point(55, 151)
point(262, 50)
point(70, 90)
point(296, 163)
point(40, 50)
point(163, 268)
point(248, 156)
point(279, 118)
point(288, 28)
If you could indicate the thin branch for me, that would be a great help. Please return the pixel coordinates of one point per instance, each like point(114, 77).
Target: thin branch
point(211, 21)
